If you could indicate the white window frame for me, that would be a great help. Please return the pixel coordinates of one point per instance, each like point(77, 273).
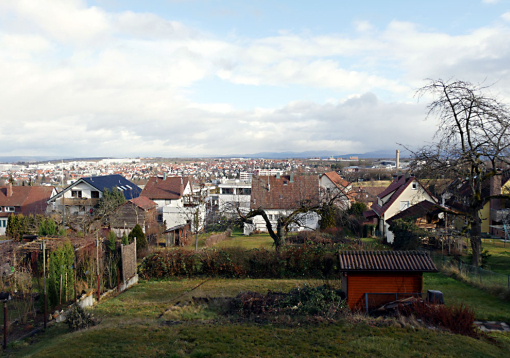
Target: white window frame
point(9, 209)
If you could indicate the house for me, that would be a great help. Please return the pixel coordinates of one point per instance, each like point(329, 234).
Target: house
point(280, 196)
point(333, 186)
point(83, 195)
point(234, 194)
point(141, 210)
point(425, 215)
point(494, 212)
point(367, 194)
point(24, 200)
point(403, 192)
point(174, 197)
point(373, 278)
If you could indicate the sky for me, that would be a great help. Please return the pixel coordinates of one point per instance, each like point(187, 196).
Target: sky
point(186, 78)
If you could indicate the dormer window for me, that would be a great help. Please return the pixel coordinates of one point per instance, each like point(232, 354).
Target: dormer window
point(9, 209)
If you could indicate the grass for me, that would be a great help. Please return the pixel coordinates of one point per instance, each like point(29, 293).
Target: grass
point(499, 261)
point(487, 306)
point(133, 324)
point(248, 242)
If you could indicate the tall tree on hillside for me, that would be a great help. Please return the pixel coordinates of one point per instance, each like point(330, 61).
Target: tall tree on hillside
point(472, 142)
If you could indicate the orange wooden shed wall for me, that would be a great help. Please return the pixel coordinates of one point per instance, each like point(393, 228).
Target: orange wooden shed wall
point(357, 284)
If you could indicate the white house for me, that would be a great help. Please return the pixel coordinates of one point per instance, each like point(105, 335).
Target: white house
point(333, 187)
point(402, 193)
point(81, 196)
point(234, 194)
point(175, 199)
point(280, 196)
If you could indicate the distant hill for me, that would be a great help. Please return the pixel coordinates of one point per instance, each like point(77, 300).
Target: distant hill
point(321, 154)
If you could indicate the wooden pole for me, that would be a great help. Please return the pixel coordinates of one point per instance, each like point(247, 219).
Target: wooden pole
point(45, 294)
point(5, 325)
point(118, 280)
point(97, 272)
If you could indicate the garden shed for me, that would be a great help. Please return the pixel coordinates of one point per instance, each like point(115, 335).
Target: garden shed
point(373, 278)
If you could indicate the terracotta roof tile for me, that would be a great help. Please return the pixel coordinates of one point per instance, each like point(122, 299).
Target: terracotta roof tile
point(144, 202)
point(269, 192)
point(31, 199)
point(169, 189)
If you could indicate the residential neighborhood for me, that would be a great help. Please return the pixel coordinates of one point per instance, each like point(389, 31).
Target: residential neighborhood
point(255, 178)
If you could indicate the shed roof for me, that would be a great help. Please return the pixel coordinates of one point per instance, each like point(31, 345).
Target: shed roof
point(389, 261)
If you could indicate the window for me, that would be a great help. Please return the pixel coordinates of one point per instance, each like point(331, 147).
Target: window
point(3, 223)
point(76, 193)
point(270, 217)
point(404, 205)
point(246, 191)
point(414, 186)
point(9, 209)
point(94, 194)
point(227, 191)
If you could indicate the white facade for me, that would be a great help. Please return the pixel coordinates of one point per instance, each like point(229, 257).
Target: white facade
point(329, 191)
point(3, 225)
point(234, 194)
point(412, 194)
point(175, 212)
point(307, 221)
point(79, 199)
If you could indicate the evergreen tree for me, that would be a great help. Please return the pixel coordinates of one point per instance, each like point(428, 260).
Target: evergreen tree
point(125, 240)
point(137, 232)
point(112, 241)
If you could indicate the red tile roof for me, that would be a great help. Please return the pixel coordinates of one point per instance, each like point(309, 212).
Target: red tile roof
point(31, 199)
point(389, 261)
point(269, 192)
point(144, 202)
point(336, 179)
point(169, 189)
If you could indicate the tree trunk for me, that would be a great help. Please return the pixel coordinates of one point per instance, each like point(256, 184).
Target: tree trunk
point(280, 232)
point(476, 241)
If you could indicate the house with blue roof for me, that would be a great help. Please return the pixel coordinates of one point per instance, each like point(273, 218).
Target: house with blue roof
point(83, 195)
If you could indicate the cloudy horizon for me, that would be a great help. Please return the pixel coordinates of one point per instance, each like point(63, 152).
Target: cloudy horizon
point(204, 77)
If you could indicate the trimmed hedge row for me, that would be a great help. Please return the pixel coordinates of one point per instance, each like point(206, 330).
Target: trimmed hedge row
point(289, 262)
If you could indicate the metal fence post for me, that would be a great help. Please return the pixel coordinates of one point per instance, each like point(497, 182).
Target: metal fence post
point(366, 302)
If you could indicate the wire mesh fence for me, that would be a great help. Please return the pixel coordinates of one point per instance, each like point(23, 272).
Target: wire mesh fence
point(472, 274)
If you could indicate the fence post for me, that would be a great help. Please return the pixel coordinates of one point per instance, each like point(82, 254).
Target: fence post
point(508, 285)
point(5, 325)
point(366, 302)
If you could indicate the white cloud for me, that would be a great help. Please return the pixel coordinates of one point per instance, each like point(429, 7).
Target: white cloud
point(490, 1)
point(82, 81)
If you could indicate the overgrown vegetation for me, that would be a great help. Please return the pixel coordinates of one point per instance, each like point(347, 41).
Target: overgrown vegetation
point(316, 261)
point(407, 234)
point(61, 275)
point(77, 318)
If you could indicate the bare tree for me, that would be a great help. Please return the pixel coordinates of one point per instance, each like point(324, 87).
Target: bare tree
point(306, 201)
point(194, 210)
point(473, 141)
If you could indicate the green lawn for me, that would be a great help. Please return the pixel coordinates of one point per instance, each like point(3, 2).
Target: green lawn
point(133, 324)
point(248, 242)
point(499, 261)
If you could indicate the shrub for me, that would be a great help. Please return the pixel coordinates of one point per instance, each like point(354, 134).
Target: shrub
point(77, 319)
point(314, 261)
point(457, 319)
point(141, 241)
point(407, 234)
point(125, 240)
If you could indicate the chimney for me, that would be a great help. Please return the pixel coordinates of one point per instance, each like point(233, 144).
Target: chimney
point(397, 164)
point(292, 177)
point(277, 175)
point(164, 176)
point(181, 187)
point(9, 189)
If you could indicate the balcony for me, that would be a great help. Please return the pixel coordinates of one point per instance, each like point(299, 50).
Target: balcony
point(78, 201)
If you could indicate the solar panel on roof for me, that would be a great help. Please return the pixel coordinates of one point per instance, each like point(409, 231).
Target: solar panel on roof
point(120, 189)
point(123, 187)
point(129, 187)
